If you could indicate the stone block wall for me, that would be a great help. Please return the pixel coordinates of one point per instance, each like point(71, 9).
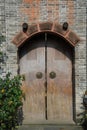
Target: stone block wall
point(13, 13)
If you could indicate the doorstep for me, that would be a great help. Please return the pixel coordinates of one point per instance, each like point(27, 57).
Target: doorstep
point(50, 127)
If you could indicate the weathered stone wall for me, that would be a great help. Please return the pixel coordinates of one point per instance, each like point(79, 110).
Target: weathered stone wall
point(2, 37)
point(13, 13)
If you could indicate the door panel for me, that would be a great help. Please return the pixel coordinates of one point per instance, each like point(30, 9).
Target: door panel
point(59, 89)
point(32, 63)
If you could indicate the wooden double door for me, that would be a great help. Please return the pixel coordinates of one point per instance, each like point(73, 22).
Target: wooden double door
point(46, 62)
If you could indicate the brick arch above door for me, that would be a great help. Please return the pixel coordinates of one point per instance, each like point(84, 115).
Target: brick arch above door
point(51, 27)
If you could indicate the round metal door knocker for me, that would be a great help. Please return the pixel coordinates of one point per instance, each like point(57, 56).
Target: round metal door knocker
point(52, 75)
point(39, 75)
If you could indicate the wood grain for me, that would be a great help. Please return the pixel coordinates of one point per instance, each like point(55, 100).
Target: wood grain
point(59, 89)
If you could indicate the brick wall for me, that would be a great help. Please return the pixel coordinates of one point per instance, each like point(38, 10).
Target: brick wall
point(15, 12)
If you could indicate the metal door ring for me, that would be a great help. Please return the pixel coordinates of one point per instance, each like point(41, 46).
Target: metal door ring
point(52, 75)
point(39, 75)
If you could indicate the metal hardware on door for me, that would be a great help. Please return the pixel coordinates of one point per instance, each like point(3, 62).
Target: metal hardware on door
point(39, 75)
point(52, 75)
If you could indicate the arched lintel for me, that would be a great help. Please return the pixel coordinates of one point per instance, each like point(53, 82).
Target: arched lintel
point(50, 27)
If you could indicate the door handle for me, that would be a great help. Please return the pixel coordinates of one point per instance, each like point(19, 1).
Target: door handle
point(39, 75)
point(52, 75)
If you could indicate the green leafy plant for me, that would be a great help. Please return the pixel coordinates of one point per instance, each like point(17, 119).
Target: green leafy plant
point(1, 56)
point(83, 119)
point(11, 97)
point(1, 53)
point(2, 38)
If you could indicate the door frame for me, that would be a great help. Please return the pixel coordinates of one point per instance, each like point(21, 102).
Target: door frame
point(52, 27)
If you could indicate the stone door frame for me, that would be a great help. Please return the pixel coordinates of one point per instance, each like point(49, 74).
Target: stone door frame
point(49, 27)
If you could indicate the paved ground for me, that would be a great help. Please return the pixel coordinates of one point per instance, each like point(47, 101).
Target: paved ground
point(49, 127)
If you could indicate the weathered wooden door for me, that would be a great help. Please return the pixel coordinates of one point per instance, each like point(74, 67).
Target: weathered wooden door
point(59, 81)
point(46, 62)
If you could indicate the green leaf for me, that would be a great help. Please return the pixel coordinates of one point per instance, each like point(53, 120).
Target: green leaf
point(10, 93)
